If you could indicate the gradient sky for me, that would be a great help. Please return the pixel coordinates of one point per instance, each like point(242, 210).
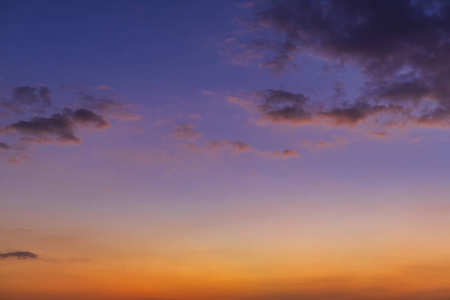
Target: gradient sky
point(224, 150)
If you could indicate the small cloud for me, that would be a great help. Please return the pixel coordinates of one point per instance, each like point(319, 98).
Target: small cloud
point(225, 144)
point(248, 4)
point(238, 53)
point(285, 154)
point(229, 40)
point(17, 158)
point(60, 125)
point(109, 107)
point(123, 116)
point(415, 140)
point(236, 147)
point(185, 131)
point(378, 134)
point(73, 87)
point(245, 104)
point(103, 87)
point(29, 95)
point(195, 116)
point(19, 255)
point(321, 145)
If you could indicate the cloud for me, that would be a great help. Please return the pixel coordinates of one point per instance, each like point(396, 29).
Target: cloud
point(29, 95)
point(296, 109)
point(32, 119)
point(234, 146)
point(285, 154)
point(109, 107)
point(357, 112)
point(102, 87)
point(245, 104)
point(10, 107)
point(379, 134)
point(17, 158)
point(61, 126)
point(237, 53)
point(185, 131)
point(401, 47)
point(321, 145)
point(282, 106)
point(101, 103)
point(18, 255)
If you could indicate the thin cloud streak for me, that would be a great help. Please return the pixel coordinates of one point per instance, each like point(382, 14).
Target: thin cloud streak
point(19, 255)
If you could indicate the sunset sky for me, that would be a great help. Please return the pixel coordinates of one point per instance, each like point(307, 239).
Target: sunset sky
point(224, 150)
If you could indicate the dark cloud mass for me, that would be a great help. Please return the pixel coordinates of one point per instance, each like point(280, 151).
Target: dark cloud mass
point(19, 255)
point(279, 106)
point(59, 125)
point(401, 47)
point(33, 119)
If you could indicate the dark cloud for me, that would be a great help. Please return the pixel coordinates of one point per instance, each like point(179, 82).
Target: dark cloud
point(402, 48)
point(86, 117)
point(282, 106)
point(353, 114)
point(278, 106)
point(29, 95)
point(62, 126)
point(44, 94)
point(19, 255)
point(34, 120)
point(185, 131)
point(395, 33)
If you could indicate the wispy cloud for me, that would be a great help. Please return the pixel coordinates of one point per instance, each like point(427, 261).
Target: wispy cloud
point(19, 255)
point(237, 147)
point(185, 131)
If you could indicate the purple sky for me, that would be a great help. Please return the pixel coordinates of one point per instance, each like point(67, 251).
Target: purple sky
point(224, 150)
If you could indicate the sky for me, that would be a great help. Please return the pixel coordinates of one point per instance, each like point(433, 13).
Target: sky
point(224, 150)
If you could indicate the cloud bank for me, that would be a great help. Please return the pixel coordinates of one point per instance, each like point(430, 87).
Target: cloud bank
point(28, 116)
point(401, 47)
point(60, 126)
